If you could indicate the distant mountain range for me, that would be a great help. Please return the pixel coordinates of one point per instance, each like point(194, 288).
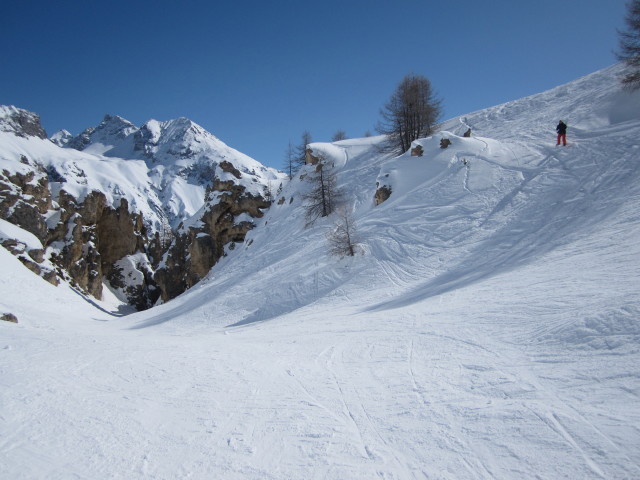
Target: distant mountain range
point(147, 209)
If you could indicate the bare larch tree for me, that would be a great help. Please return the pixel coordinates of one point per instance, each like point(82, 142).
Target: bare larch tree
point(412, 112)
point(343, 237)
point(290, 165)
point(324, 196)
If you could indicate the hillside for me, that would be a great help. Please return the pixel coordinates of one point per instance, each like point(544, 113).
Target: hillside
point(489, 328)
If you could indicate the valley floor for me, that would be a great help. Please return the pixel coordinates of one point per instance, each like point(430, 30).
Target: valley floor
point(497, 380)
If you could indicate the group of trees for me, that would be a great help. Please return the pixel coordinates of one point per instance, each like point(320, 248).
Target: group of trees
point(295, 155)
point(324, 198)
point(411, 113)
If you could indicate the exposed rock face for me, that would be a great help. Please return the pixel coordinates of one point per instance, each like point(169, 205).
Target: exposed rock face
point(95, 236)
point(196, 249)
point(9, 317)
point(24, 198)
point(112, 126)
point(121, 233)
point(417, 151)
point(84, 243)
point(33, 259)
point(21, 122)
point(445, 142)
point(310, 158)
point(382, 194)
point(229, 168)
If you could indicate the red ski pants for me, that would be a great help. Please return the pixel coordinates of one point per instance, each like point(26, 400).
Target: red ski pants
point(563, 137)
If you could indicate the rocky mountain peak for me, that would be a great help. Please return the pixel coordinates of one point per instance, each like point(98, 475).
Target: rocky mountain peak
point(112, 130)
point(20, 122)
point(61, 137)
point(116, 125)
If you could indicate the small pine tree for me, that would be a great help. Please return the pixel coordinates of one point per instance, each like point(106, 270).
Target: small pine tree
point(629, 51)
point(324, 196)
point(268, 192)
point(343, 237)
point(339, 135)
point(300, 152)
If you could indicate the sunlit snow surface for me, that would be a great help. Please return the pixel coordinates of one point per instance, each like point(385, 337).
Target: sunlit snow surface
point(490, 328)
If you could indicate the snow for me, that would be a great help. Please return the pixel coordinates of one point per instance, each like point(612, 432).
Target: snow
point(61, 137)
point(170, 184)
point(9, 231)
point(131, 273)
point(490, 330)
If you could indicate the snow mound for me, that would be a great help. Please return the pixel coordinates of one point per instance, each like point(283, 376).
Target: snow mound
point(613, 330)
point(9, 231)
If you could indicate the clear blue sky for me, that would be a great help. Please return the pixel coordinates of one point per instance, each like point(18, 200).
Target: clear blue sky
point(257, 74)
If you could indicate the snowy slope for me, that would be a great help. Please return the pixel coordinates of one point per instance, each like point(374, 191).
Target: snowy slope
point(490, 329)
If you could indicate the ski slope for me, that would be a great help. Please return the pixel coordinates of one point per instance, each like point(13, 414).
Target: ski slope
point(490, 328)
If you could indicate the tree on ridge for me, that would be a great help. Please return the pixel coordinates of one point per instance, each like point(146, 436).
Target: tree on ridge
point(412, 112)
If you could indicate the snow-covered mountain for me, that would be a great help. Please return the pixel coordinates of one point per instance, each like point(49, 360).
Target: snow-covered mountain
point(109, 205)
point(488, 328)
point(181, 158)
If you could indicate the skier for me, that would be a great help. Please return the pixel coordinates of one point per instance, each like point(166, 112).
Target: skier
point(562, 133)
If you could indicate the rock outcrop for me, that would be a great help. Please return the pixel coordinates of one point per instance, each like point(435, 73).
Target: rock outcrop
point(197, 248)
point(21, 122)
point(382, 194)
point(310, 158)
point(25, 198)
point(9, 317)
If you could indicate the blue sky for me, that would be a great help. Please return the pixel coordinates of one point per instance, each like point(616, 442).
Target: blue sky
point(257, 74)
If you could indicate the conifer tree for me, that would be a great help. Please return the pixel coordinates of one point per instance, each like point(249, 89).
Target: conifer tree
point(324, 196)
point(629, 51)
point(300, 152)
point(290, 165)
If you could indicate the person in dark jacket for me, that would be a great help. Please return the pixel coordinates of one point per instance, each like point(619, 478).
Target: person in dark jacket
point(562, 133)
